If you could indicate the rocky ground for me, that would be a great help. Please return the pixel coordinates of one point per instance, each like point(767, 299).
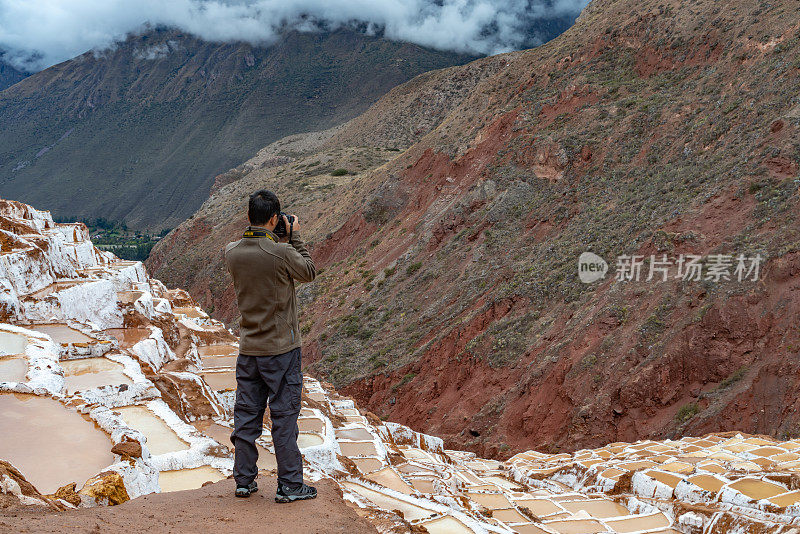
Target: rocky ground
point(449, 296)
point(211, 509)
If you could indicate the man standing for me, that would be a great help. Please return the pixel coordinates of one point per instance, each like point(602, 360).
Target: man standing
point(264, 268)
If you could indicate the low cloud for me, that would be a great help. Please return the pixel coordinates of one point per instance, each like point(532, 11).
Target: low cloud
point(35, 34)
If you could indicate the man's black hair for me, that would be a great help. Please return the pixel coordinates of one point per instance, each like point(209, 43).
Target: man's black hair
point(263, 205)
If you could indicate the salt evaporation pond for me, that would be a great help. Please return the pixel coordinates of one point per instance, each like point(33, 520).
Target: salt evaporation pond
point(12, 343)
point(220, 380)
point(222, 434)
point(13, 368)
point(187, 479)
point(192, 313)
point(62, 333)
point(128, 337)
point(53, 445)
point(218, 355)
point(360, 434)
point(160, 437)
point(52, 288)
point(88, 373)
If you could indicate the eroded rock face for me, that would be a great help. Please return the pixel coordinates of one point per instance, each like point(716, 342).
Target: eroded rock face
point(15, 490)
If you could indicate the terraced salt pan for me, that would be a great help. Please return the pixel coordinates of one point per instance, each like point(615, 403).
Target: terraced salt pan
point(367, 465)
point(62, 333)
point(222, 434)
point(217, 350)
point(161, 439)
point(13, 368)
point(52, 288)
point(220, 380)
point(218, 355)
point(387, 477)
point(446, 525)
point(191, 312)
point(410, 511)
point(128, 337)
point(12, 343)
point(50, 443)
point(309, 439)
point(639, 523)
point(601, 508)
point(188, 479)
point(757, 489)
point(540, 507)
point(311, 424)
point(88, 373)
point(576, 526)
point(358, 434)
point(358, 448)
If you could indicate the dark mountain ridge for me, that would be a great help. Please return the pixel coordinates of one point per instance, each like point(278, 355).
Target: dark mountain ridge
point(139, 132)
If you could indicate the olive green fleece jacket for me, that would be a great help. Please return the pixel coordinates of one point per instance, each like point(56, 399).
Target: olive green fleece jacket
point(264, 272)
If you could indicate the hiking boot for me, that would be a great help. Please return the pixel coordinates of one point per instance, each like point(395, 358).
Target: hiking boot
point(245, 491)
point(287, 494)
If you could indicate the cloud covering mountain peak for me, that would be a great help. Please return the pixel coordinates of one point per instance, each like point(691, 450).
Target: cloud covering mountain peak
point(35, 34)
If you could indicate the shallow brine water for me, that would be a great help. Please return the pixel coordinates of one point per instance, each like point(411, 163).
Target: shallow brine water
point(160, 437)
point(51, 444)
point(88, 373)
point(62, 333)
point(187, 479)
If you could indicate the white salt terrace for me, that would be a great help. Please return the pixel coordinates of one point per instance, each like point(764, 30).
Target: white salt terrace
point(13, 368)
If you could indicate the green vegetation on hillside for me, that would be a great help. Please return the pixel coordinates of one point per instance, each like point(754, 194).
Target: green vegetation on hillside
point(116, 237)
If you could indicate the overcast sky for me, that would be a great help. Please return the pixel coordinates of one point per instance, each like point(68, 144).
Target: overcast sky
point(35, 34)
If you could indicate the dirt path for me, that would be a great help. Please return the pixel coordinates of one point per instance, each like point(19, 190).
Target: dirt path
point(209, 510)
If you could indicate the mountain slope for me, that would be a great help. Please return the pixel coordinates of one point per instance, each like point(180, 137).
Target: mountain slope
point(449, 297)
point(9, 75)
point(138, 133)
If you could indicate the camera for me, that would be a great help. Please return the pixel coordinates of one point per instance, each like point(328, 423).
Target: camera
point(280, 228)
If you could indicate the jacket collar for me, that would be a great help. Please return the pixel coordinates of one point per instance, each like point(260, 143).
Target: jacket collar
point(258, 231)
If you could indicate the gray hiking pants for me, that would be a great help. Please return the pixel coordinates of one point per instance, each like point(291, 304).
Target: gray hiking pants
point(279, 380)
